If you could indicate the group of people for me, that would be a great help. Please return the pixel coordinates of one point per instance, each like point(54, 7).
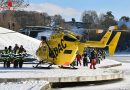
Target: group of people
point(13, 55)
point(93, 57)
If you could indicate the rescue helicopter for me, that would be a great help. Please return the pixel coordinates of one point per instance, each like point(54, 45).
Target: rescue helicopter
point(62, 47)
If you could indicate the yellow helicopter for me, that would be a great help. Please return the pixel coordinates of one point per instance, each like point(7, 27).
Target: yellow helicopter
point(62, 47)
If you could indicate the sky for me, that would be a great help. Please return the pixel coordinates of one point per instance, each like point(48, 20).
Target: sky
point(74, 8)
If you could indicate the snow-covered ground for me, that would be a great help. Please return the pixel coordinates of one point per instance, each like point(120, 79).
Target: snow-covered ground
point(123, 84)
point(108, 62)
point(10, 38)
point(108, 85)
point(23, 85)
point(29, 72)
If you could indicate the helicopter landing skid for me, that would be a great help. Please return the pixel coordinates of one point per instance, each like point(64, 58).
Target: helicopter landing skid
point(40, 67)
point(67, 67)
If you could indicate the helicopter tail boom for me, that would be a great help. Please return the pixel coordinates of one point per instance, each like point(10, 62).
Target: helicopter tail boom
point(113, 43)
point(105, 38)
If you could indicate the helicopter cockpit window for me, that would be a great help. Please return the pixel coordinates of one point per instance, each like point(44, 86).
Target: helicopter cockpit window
point(67, 38)
point(67, 51)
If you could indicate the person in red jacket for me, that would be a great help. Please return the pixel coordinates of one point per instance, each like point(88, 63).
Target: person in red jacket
point(93, 59)
point(78, 58)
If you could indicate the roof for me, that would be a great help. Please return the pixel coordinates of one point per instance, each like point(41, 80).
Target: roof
point(35, 28)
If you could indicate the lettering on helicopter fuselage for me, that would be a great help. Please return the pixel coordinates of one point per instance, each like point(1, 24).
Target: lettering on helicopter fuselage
point(61, 46)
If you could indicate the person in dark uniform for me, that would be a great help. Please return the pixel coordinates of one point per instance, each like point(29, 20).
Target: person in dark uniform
point(15, 63)
point(20, 63)
point(85, 61)
point(8, 63)
point(21, 52)
point(15, 49)
point(10, 51)
point(5, 51)
point(103, 54)
point(5, 63)
point(5, 54)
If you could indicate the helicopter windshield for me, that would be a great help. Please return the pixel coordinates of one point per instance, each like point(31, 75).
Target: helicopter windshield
point(69, 38)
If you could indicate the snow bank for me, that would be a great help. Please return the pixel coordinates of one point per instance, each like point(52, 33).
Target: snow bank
point(9, 37)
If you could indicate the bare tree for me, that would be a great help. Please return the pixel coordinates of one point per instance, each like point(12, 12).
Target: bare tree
point(14, 4)
point(90, 18)
point(58, 20)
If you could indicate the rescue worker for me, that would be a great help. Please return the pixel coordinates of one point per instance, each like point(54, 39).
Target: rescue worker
point(15, 51)
point(10, 51)
point(21, 52)
point(20, 63)
point(103, 54)
point(93, 59)
point(4, 54)
point(78, 58)
point(5, 51)
point(15, 63)
point(8, 63)
point(16, 48)
point(85, 61)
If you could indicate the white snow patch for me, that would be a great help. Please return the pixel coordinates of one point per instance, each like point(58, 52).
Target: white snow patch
point(10, 38)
